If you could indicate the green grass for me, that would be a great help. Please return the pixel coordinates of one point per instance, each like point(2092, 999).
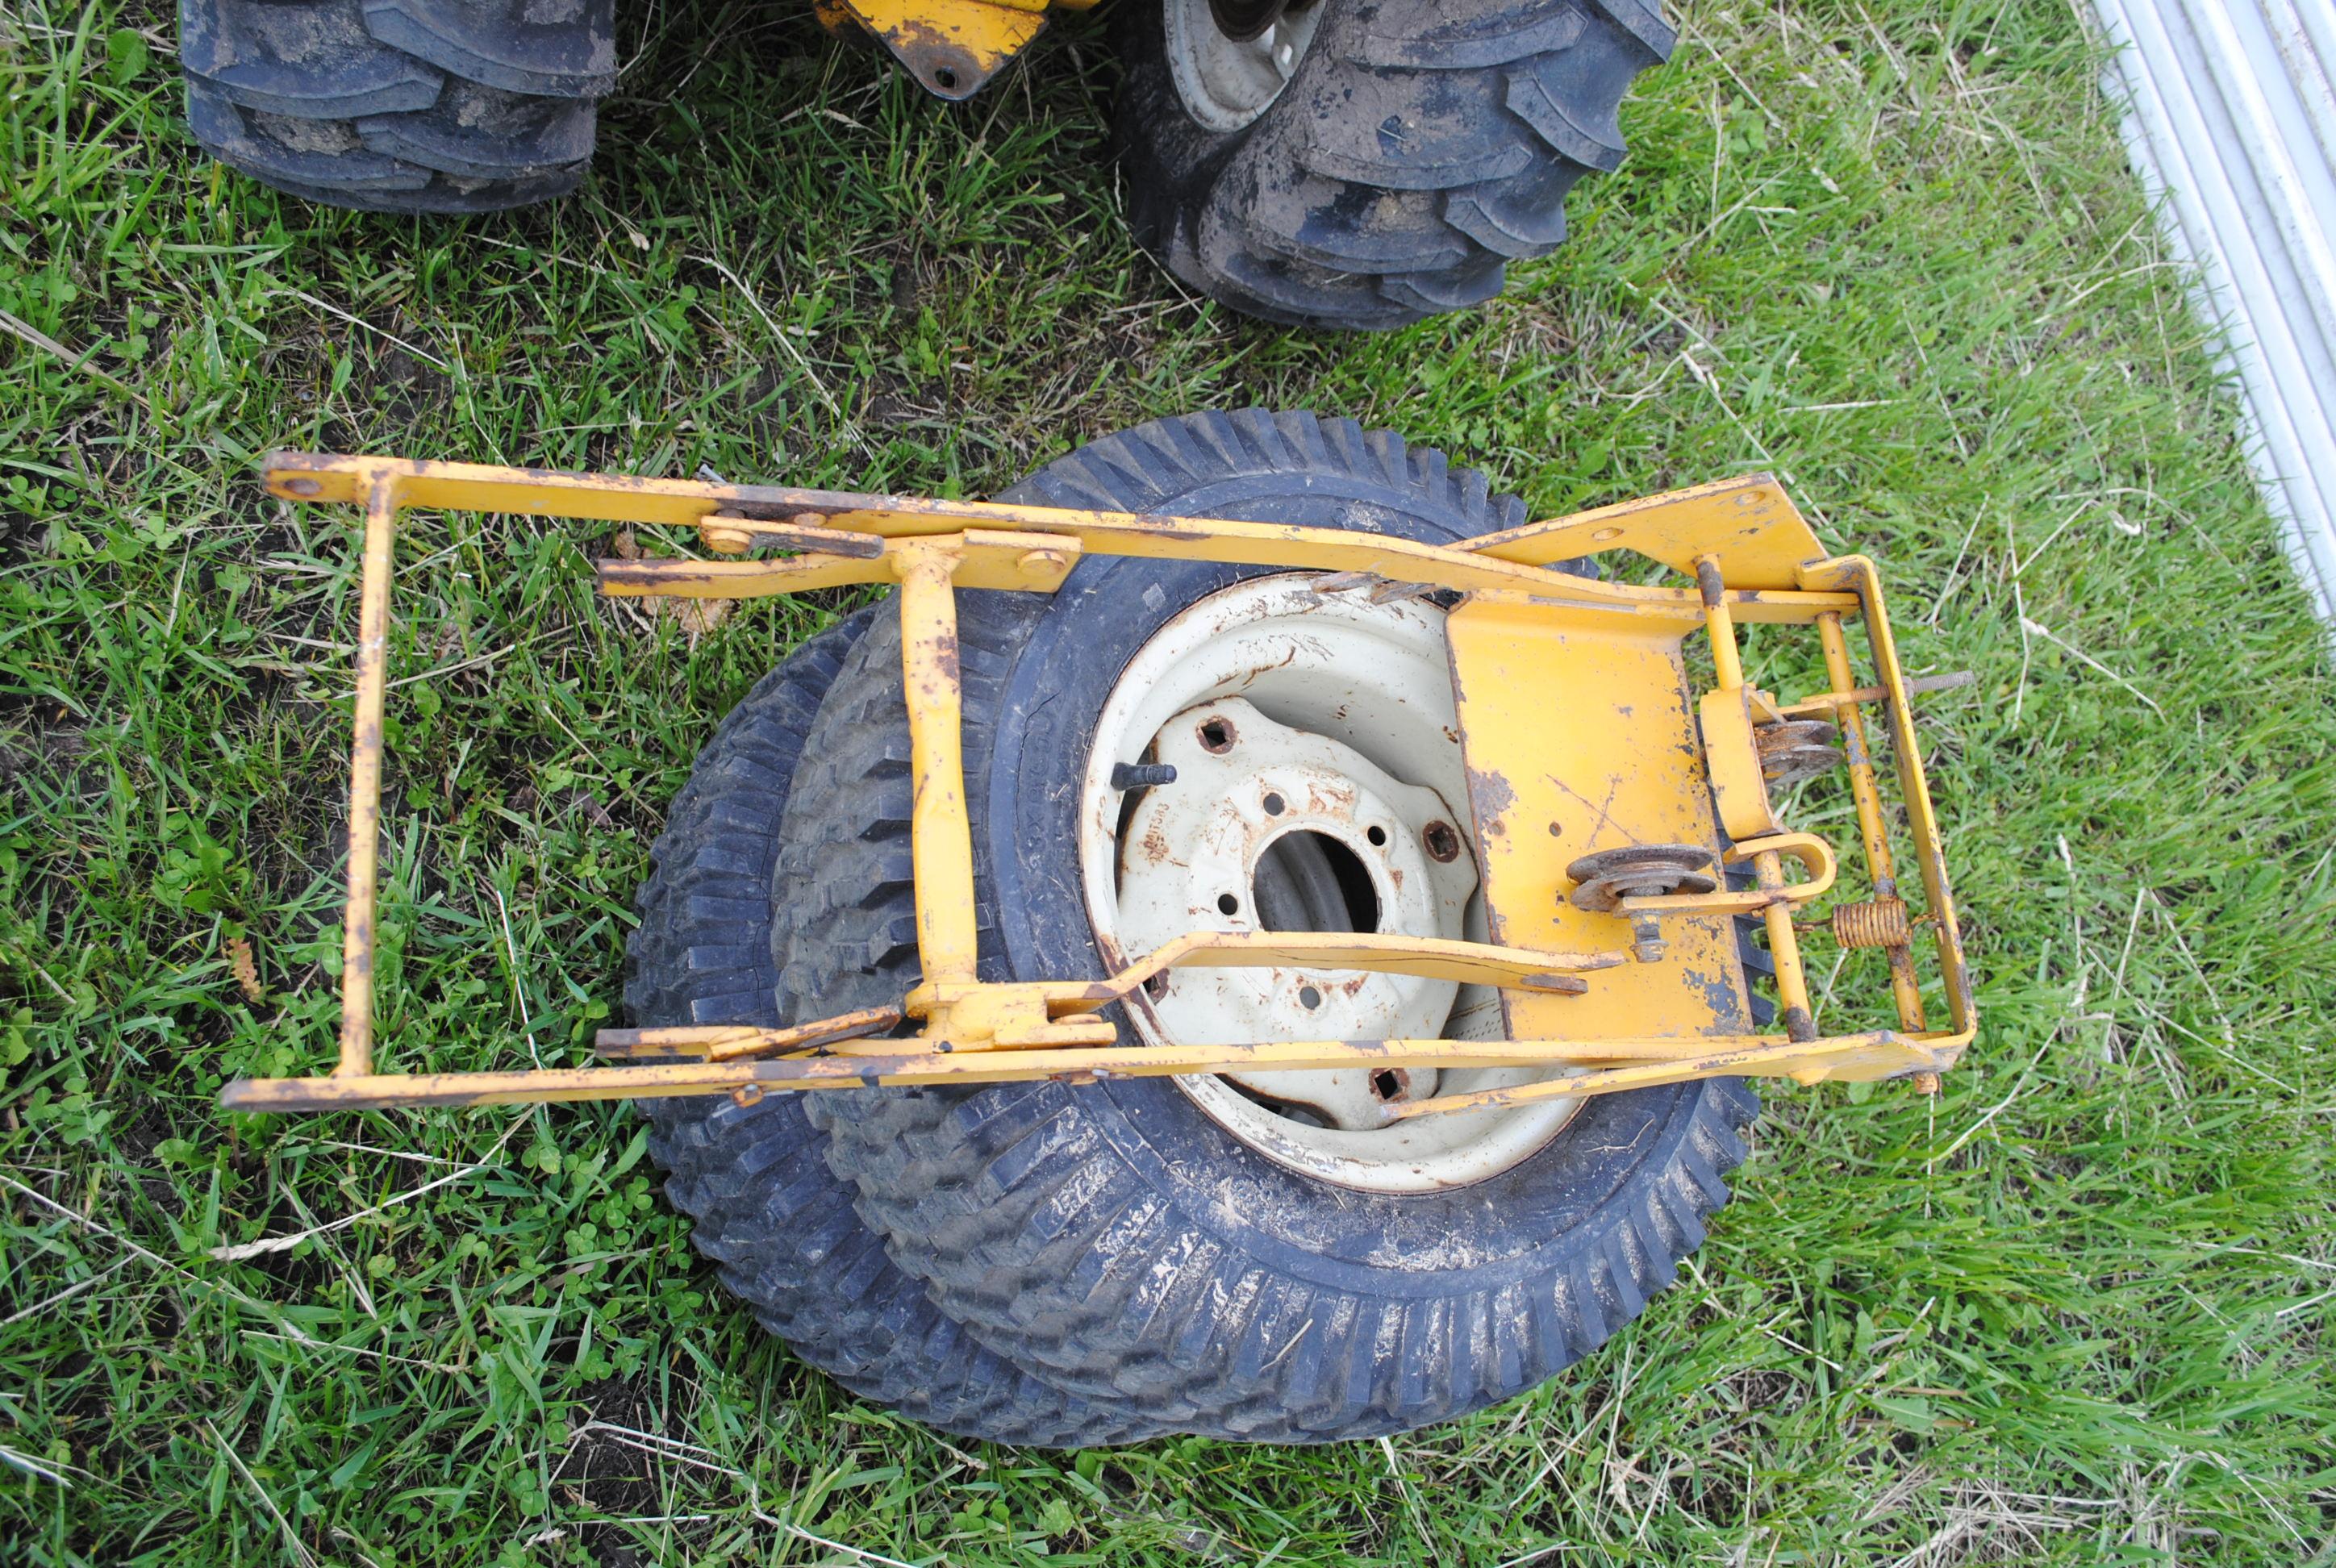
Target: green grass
point(2077, 1310)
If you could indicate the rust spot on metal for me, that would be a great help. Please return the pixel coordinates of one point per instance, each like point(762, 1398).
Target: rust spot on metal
point(1493, 796)
point(1176, 528)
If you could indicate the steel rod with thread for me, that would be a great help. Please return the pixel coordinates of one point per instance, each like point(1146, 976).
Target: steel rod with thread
point(365, 780)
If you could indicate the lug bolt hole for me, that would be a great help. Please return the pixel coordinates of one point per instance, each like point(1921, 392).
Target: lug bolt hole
point(1308, 997)
point(1443, 843)
point(1156, 987)
point(1388, 1084)
point(1216, 736)
point(1228, 904)
point(1376, 835)
point(1274, 804)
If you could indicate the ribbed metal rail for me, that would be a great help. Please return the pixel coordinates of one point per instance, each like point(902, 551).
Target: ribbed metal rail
point(2230, 116)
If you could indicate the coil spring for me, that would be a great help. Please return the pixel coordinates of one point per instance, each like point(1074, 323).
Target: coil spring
point(1882, 923)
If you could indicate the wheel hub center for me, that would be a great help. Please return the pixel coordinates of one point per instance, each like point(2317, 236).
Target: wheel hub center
point(1271, 828)
point(1241, 20)
point(1230, 59)
point(1298, 722)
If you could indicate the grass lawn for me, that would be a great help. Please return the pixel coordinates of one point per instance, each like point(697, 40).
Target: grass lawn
point(2078, 1309)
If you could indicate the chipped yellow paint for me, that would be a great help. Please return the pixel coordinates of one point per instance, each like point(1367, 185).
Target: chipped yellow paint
point(1578, 739)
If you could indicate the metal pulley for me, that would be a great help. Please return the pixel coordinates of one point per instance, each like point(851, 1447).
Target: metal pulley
point(1602, 881)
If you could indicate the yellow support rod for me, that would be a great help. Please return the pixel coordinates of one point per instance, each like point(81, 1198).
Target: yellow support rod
point(364, 778)
point(1851, 1057)
point(1664, 1060)
point(940, 834)
point(1784, 948)
point(1469, 964)
point(1767, 866)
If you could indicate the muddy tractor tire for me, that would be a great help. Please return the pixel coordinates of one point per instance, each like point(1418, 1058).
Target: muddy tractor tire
point(1366, 163)
point(1253, 1256)
point(443, 106)
point(755, 1178)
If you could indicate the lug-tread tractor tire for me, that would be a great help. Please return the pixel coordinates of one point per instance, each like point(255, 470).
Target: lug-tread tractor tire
point(754, 1179)
point(1420, 146)
point(1110, 1236)
point(400, 105)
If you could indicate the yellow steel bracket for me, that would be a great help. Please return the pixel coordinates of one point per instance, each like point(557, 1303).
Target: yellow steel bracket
point(1579, 725)
point(952, 46)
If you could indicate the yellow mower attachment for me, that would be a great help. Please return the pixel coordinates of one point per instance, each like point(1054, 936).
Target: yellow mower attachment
point(1604, 830)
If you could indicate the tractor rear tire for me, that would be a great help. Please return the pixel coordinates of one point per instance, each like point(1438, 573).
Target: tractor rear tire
point(1119, 1238)
point(400, 105)
point(755, 1178)
point(1419, 147)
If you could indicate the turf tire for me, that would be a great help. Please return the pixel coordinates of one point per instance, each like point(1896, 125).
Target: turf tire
point(1420, 147)
point(400, 105)
point(1111, 1236)
point(754, 1179)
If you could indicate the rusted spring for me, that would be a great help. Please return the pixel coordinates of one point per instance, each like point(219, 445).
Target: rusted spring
point(1879, 923)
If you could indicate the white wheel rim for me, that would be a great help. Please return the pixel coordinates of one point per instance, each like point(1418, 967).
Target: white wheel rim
point(1337, 719)
point(1227, 82)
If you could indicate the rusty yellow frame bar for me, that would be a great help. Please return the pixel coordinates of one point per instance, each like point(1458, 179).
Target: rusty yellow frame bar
point(1752, 559)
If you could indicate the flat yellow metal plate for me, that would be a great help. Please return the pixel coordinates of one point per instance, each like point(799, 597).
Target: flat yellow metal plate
point(1749, 523)
point(1578, 736)
point(952, 46)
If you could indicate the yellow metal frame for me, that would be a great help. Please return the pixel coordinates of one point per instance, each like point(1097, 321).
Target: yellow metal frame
point(1582, 1007)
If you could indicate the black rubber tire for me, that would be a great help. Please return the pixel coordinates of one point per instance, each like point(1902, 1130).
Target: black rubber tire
point(400, 105)
point(1421, 146)
point(1112, 1236)
point(754, 1179)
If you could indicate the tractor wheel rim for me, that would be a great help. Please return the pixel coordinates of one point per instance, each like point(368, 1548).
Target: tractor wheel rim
point(1320, 779)
point(1225, 82)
